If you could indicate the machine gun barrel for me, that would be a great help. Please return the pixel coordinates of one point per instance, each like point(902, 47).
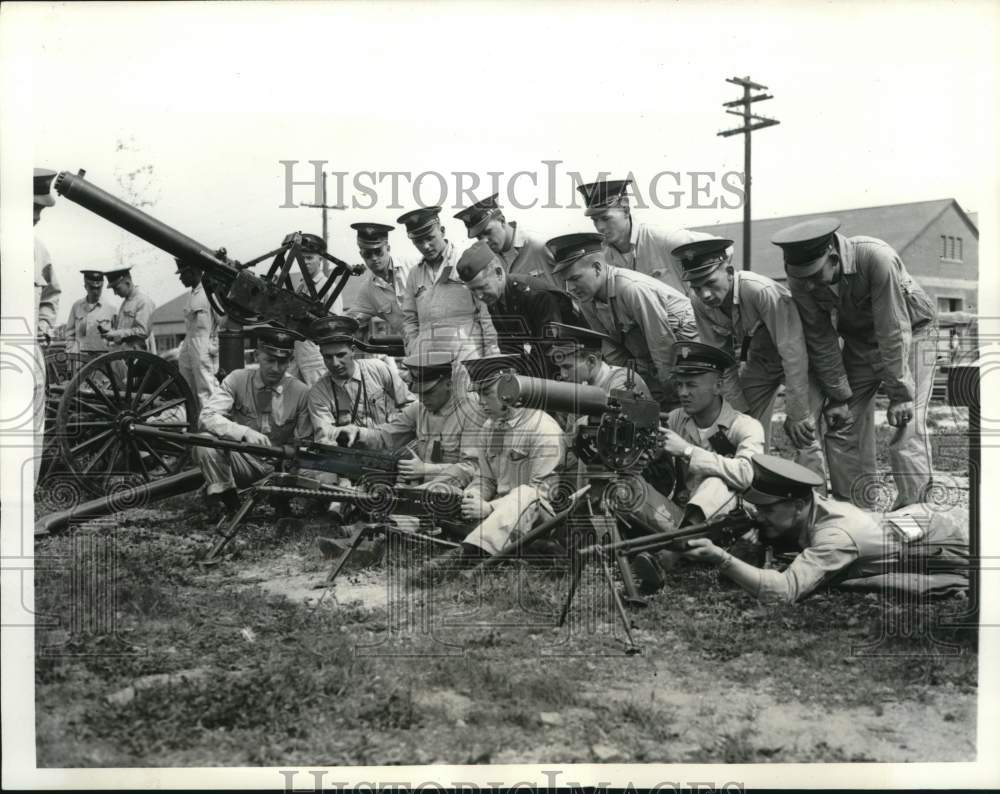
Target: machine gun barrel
point(112, 209)
point(551, 395)
point(733, 523)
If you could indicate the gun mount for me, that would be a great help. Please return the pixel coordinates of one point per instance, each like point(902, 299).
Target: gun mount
point(231, 286)
point(622, 427)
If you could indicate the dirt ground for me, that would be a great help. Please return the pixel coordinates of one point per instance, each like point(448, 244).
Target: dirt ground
point(146, 659)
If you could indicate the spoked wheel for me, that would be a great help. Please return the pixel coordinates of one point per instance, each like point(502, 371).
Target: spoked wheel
point(99, 405)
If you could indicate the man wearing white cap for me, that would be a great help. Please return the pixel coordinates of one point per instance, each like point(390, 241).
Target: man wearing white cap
point(87, 317)
point(133, 326)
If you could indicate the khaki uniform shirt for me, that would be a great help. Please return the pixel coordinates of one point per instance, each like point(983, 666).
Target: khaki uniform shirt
point(135, 315)
point(244, 402)
point(82, 334)
point(382, 298)
point(528, 256)
point(644, 317)
point(763, 319)
point(441, 314)
point(372, 394)
point(650, 253)
point(47, 290)
point(875, 307)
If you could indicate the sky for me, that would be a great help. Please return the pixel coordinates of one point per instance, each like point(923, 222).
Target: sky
point(878, 102)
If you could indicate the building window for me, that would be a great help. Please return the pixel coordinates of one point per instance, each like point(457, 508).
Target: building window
point(959, 252)
point(949, 304)
point(951, 248)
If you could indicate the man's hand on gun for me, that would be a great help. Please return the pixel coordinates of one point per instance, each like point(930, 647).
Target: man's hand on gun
point(670, 442)
point(703, 550)
point(256, 437)
point(413, 467)
point(346, 435)
point(474, 508)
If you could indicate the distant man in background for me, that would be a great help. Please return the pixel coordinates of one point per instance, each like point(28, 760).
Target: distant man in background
point(262, 405)
point(133, 325)
point(438, 312)
point(89, 319)
point(522, 253)
point(642, 317)
point(381, 291)
point(630, 244)
point(46, 306)
point(308, 364)
point(198, 358)
point(857, 290)
point(754, 319)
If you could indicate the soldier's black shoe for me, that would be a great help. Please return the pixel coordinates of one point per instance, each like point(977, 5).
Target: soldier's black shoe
point(649, 574)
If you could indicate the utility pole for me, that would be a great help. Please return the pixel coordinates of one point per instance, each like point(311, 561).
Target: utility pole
point(751, 122)
point(324, 206)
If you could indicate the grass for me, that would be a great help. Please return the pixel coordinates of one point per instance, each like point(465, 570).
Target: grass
point(285, 683)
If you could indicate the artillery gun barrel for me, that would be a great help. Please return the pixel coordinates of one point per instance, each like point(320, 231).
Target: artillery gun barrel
point(205, 440)
point(112, 209)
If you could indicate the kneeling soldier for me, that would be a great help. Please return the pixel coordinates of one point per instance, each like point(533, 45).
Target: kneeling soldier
point(918, 549)
point(259, 406)
point(441, 425)
point(518, 452)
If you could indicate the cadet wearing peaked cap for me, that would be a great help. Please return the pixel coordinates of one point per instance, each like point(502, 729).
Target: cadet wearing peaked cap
point(116, 275)
point(42, 185)
point(841, 544)
point(631, 244)
point(428, 368)
point(642, 316)
point(312, 243)
point(522, 253)
point(753, 317)
point(381, 291)
point(334, 329)
point(134, 323)
point(519, 306)
point(694, 358)
point(574, 337)
point(438, 312)
point(888, 327)
point(308, 364)
point(259, 405)
point(87, 317)
point(484, 372)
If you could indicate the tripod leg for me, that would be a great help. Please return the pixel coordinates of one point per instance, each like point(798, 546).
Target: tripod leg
point(332, 576)
point(631, 648)
point(231, 529)
point(577, 564)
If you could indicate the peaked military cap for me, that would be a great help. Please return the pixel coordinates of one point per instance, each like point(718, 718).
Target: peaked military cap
point(332, 329)
point(479, 214)
point(696, 358)
point(114, 276)
point(474, 260)
point(278, 342)
point(312, 243)
point(42, 184)
point(571, 338)
point(183, 265)
point(599, 196)
point(485, 371)
point(95, 277)
point(428, 368)
point(702, 257)
point(419, 222)
point(567, 248)
point(805, 244)
point(372, 235)
point(776, 479)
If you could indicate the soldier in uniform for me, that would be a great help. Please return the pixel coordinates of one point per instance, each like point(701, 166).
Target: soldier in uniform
point(198, 358)
point(576, 353)
point(47, 293)
point(440, 426)
point(87, 317)
point(643, 317)
point(917, 550)
point(519, 306)
point(363, 392)
point(438, 312)
point(522, 253)
point(518, 452)
point(133, 325)
point(754, 318)
point(856, 289)
point(629, 244)
point(308, 365)
point(262, 405)
point(381, 292)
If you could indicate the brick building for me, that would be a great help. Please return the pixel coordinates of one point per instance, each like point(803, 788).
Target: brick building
point(937, 241)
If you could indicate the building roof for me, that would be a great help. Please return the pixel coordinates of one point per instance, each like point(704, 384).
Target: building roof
point(170, 312)
point(897, 224)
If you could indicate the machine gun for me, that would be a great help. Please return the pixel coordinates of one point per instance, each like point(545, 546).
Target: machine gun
point(230, 285)
point(626, 422)
point(722, 530)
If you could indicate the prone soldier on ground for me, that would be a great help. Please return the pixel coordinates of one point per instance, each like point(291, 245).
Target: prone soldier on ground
point(919, 549)
point(381, 291)
point(643, 318)
point(755, 320)
point(89, 319)
point(198, 357)
point(523, 254)
point(888, 328)
point(133, 328)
